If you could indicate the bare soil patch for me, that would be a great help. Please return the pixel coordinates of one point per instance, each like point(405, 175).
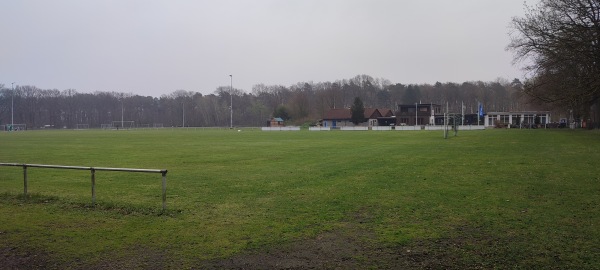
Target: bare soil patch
point(14, 258)
point(329, 250)
point(335, 250)
point(354, 247)
point(351, 246)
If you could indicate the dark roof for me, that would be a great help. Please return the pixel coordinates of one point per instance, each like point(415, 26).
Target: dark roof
point(346, 114)
point(338, 114)
point(371, 113)
point(386, 112)
point(419, 105)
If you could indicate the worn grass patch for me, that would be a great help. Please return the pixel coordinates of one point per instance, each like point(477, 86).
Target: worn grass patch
point(484, 199)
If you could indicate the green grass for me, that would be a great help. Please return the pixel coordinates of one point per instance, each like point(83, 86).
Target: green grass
point(510, 198)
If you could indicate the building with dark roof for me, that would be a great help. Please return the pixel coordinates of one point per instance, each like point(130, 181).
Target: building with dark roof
point(335, 118)
point(417, 114)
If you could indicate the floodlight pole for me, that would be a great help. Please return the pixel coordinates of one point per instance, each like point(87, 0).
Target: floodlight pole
point(122, 122)
point(462, 110)
point(231, 103)
point(416, 114)
point(12, 107)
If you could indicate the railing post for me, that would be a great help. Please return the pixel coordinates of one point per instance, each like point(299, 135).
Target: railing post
point(164, 190)
point(25, 180)
point(93, 187)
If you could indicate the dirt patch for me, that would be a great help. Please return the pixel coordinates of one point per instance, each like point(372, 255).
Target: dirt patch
point(328, 250)
point(347, 247)
point(332, 250)
point(132, 258)
point(354, 248)
point(13, 258)
point(351, 246)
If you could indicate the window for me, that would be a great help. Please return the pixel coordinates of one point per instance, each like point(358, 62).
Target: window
point(528, 119)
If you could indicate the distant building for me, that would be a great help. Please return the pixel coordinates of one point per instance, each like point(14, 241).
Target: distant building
point(276, 122)
point(417, 114)
point(517, 119)
point(431, 114)
point(335, 118)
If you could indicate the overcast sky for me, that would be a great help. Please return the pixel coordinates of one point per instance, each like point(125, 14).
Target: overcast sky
point(151, 47)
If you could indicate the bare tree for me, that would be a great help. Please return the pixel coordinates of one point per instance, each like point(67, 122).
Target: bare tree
point(559, 42)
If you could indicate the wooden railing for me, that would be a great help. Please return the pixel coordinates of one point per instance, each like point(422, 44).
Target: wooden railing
point(93, 176)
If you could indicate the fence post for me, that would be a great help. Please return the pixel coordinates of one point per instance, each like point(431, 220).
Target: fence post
point(25, 180)
point(93, 187)
point(164, 190)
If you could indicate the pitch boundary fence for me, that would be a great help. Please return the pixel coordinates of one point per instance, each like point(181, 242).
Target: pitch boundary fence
point(93, 176)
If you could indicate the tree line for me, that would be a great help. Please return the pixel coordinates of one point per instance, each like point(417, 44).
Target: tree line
point(558, 41)
point(302, 103)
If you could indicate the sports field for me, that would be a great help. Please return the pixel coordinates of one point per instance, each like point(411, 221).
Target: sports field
point(269, 200)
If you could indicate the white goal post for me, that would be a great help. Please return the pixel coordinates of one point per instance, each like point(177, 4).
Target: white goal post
point(123, 124)
point(82, 126)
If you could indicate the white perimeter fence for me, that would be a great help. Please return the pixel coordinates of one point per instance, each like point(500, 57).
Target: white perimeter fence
point(471, 127)
point(93, 172)
point(354, 128)
point(280, 128)
point(319, 129)
point(376, 128)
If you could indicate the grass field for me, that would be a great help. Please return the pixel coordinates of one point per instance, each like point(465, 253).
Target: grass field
point(252, 199)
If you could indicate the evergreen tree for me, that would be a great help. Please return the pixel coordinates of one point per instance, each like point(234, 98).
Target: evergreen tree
point(358, 111)
point(282, 112)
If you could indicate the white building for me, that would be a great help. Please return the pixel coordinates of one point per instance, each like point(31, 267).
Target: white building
point(517, 119)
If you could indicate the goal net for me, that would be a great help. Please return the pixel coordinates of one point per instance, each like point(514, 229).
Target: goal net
point(451, 122)
point(158, 125)
point(123, 124)
point(14, 127)
point(82, 126)
point(106, 126)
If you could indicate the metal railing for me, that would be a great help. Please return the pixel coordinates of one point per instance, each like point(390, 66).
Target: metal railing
point(93, 176)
